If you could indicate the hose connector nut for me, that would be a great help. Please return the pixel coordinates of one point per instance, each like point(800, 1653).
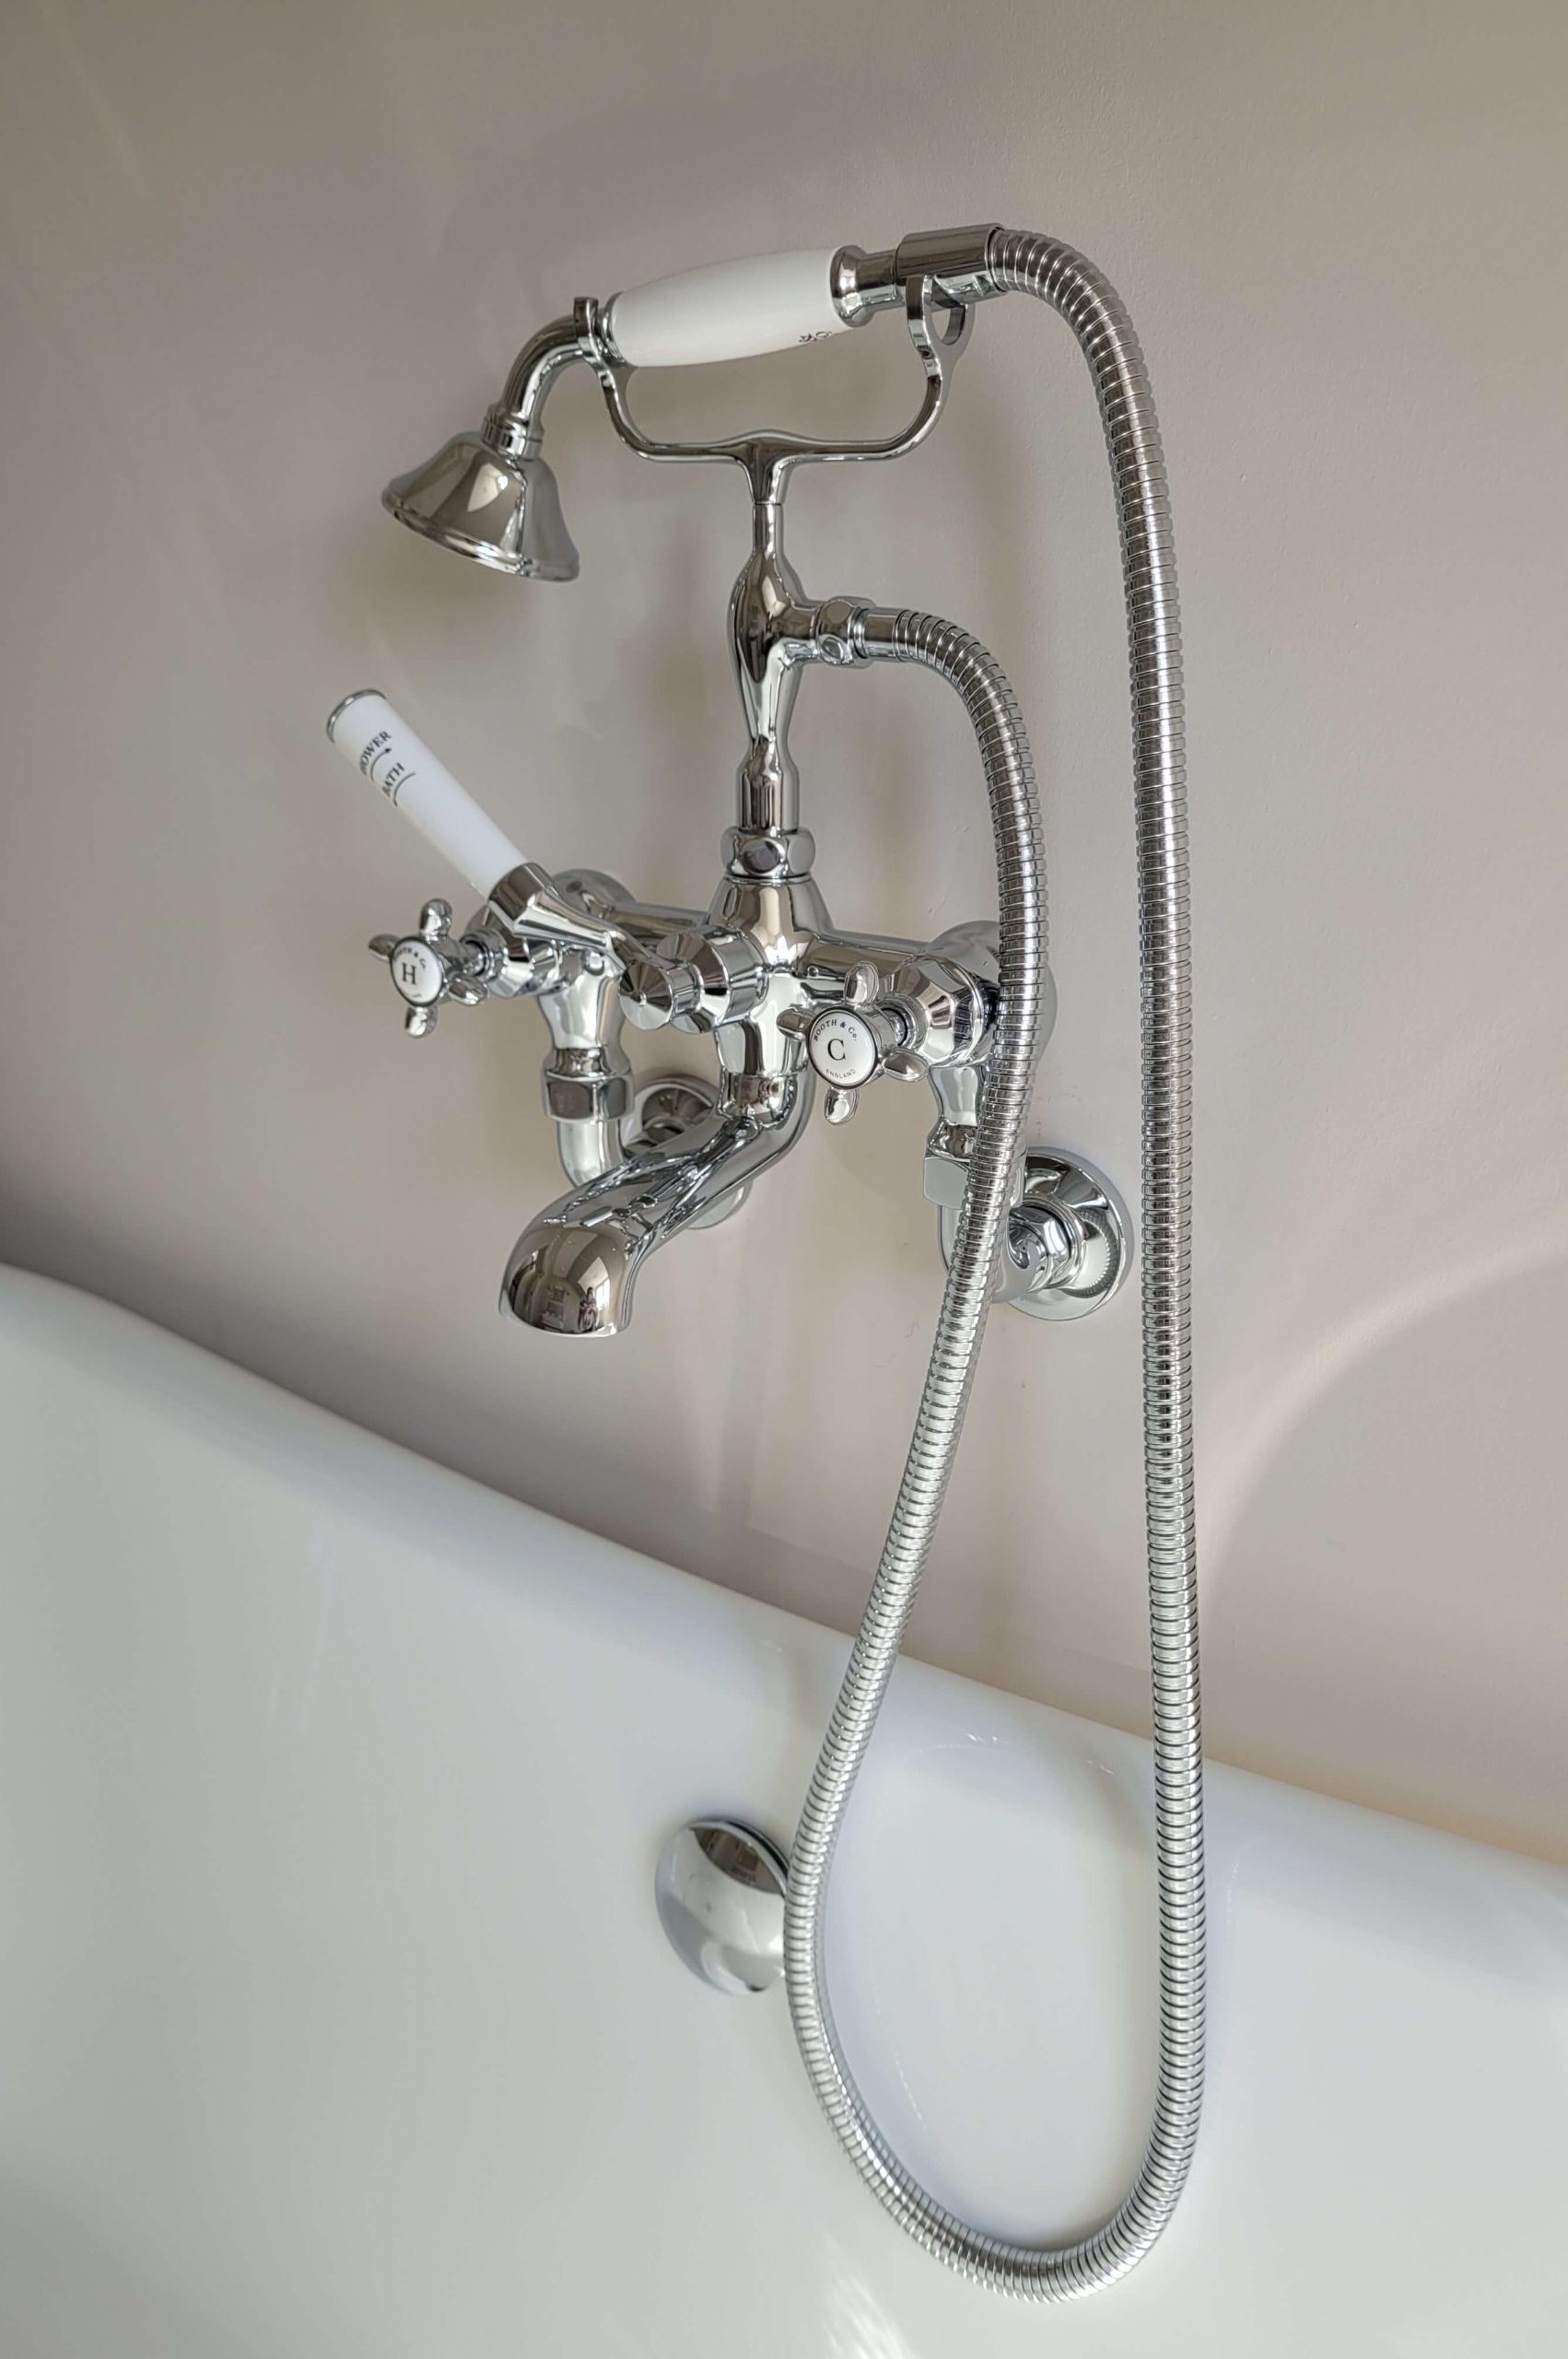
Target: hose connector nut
point(581, 1086)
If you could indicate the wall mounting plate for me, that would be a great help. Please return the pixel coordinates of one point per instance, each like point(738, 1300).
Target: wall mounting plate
point(1091, 1212)
point(666, 1106)
point(1074, 1212)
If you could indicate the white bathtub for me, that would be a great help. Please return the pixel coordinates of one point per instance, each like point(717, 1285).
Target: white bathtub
point(338, 2023)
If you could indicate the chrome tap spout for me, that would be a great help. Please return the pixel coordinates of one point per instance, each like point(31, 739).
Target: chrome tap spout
point(573, 1271)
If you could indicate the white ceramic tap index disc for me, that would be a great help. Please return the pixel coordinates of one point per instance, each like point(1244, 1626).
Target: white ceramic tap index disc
point(843, 1048)
point(417, 971)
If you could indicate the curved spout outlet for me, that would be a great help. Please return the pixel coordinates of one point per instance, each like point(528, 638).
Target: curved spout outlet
point(574, 1270)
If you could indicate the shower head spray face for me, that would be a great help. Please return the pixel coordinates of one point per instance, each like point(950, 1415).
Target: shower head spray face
point(501, 508)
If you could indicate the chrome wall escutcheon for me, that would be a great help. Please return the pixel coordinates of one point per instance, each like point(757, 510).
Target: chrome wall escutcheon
point(1069, 1238)
point(1099, 1231)
point(719, 1887)
point(664, 1106)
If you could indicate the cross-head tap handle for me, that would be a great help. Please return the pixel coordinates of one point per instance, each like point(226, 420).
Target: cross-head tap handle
point(428, 967)
point(851, 1045)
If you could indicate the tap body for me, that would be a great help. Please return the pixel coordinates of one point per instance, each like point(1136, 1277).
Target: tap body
point(787, 998)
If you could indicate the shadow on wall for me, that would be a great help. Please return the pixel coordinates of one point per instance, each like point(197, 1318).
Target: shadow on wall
point(1414, 1446)
point(510, 187)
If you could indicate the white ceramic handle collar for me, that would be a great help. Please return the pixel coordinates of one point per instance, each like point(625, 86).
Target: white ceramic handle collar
point(371, 734)
point(727, 311)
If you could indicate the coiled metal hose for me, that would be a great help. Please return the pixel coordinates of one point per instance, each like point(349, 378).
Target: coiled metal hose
point(1045, 268)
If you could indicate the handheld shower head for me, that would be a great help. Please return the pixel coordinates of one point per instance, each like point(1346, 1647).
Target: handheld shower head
point(499, 506)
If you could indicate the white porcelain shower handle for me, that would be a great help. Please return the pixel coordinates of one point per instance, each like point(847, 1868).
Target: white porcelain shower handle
point(372, 735)
point(727, 311)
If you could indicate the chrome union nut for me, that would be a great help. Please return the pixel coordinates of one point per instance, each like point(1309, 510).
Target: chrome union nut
point(586, 1097)
point(956, 1006)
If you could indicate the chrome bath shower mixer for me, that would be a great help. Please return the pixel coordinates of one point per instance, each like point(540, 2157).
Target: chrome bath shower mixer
point(790, 1000)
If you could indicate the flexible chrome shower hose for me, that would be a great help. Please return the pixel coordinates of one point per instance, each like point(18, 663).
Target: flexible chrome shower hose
point(1043, 266)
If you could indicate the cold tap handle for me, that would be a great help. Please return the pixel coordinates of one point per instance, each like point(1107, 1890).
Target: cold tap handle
point(371, 734)
point(727, 311)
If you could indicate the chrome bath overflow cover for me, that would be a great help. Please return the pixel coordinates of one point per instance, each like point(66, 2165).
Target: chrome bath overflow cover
point(720, 1888)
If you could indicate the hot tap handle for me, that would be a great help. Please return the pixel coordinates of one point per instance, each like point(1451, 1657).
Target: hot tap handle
point(428, 967)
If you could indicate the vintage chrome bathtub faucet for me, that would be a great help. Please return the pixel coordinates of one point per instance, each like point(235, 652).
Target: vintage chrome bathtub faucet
point(789, 1000)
